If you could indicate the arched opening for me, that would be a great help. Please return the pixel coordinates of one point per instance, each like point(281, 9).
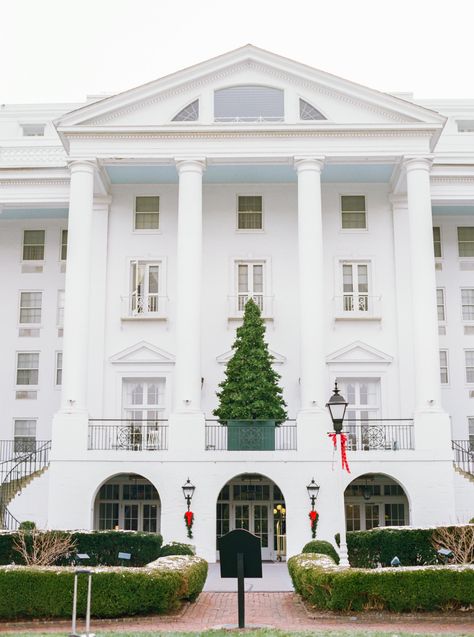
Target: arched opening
point(255, 503)
point(375, 500)
point(127, 501)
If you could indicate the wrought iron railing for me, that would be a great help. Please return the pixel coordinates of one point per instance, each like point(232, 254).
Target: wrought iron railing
point(128, 435)
point(379, 435)
point(357, 305)
point(143, 306)
point(464, 455)
point(247, 437)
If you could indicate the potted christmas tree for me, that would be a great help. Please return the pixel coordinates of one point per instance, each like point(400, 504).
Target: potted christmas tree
point(250, 399)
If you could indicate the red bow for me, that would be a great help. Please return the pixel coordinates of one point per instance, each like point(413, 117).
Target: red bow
point(189, 515)
point(344, 463)
point(313, 516)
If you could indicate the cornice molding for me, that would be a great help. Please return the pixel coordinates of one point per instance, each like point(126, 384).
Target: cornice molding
point(50, 156)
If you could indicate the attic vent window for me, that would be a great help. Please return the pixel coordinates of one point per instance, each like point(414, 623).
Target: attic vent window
point(189, 113)
point(465, 125)
point(249, 104)
point(33, 130)
point(308, 112)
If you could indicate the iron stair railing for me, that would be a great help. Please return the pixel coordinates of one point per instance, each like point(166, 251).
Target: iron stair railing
point(464, 455)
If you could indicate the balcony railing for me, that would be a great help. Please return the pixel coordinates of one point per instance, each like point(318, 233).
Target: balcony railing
point(357, 305)
point(464, 455)
point(149, 306)
point(379, 435)
point(248, 437)
point(14, 450)
point(237, 304)
point(128, 435)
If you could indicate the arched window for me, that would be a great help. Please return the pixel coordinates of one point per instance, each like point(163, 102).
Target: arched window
point(308, 112)
point(249, 103)
point(189, 113)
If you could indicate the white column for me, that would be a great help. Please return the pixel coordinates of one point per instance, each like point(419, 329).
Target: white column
point(76, 308)
point(423, 283)
point(187, 379)
point(311, 285)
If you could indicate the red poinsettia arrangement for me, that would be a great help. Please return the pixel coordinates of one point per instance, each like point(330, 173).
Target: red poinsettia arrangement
point(189, 521)
point(313, 518)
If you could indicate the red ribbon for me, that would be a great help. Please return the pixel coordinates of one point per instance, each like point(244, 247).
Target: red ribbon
point(189, 515)
point(344, 463)
point(313, 516)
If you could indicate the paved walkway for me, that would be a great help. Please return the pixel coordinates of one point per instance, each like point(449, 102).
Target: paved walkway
point(275, 579)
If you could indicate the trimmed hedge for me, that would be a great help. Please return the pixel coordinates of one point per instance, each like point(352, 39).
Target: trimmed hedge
point(430, 588)
point(177, 548)
point(322, 548)
point(46, 592)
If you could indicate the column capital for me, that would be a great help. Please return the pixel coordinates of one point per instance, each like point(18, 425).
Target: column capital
point(315, 164)
point(190, 164)
point(82, 165)
point(417, 162)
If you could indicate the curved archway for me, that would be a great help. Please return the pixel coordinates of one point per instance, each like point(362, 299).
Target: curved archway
point(253, 502)
point(127, 501)
point(375, 500)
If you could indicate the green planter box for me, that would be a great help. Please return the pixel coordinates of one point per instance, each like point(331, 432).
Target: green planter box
point(250, 435)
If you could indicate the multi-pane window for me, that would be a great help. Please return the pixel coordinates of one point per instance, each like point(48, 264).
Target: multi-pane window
point(147, 213)
point(353, 517)
point(471, 433)
point(143, 398)
point(437, 241)
point(440, 304)
point(63, 245)
point(363, 396)
point(395, 514)
point(33, 245)
point(353, 212)
point(467, 302)
point(24, 435)
point(108, 515)
point(250, 284)
point(309, 112)
point(189, 113)
point(355, 283)
point(250, 215)
point(60, 309)
point(249, 103)
point(443, 366)
point(466, 241)
point(145, 277)
point(372, 516)
point(469, 357)
point(59, 368)
point(27, 368)
point(30, 307)
point(33, 130)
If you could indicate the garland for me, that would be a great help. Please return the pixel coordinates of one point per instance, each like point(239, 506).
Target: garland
point(189, 521)
point(313, 517)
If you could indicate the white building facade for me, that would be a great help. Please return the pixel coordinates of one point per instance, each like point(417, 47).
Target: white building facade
point(134, 228)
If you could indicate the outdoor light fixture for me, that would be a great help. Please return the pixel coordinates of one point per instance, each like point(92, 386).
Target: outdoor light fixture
point(366, 491)
point(337, 406)
point(188, 492)
point(313, 490)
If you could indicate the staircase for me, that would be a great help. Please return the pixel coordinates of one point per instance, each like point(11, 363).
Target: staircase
point(18, 467)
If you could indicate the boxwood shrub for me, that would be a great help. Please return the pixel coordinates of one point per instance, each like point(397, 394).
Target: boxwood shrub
point(46, 592)
point(322, 548)
point(176, 548)
point(429, 588)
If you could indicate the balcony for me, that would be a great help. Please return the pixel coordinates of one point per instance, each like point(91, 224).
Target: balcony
point(128, 435)
point(357, 307)
point(379, 435)
point(236, 305)
point(250, 437)
point(143, 307)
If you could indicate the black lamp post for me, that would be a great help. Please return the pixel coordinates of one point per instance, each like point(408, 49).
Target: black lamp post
point(188, 492)
point(337, 406)
point(313, 490)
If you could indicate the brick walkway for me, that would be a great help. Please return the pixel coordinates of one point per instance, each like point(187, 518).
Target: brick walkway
point(277, 610)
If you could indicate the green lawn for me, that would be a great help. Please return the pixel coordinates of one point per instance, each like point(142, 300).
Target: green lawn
point(252, 633)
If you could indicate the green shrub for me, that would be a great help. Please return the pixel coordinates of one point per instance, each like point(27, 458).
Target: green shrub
point(322, 548)
point(44, 592)
point(176, 548)
point(27, 525)
point(430, 588)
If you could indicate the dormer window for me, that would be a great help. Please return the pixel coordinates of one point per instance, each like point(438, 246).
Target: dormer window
point(308, 112)
point(189, 113)
point(249, 104)
point(33, 130)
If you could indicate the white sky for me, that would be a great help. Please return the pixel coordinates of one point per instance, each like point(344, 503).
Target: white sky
point(62, 50)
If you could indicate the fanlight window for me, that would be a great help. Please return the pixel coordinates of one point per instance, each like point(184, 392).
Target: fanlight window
point(308, 112)
point(249, 104)
point(189, 113)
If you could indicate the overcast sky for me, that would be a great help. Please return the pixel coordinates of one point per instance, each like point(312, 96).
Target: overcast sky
point(63, 50)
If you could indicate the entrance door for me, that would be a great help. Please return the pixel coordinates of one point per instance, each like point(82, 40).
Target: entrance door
point(254, 518)
point(140, 517)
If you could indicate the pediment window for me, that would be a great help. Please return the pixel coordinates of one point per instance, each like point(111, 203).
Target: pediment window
point(249, 104)
point(189, 113)
point(309, 112)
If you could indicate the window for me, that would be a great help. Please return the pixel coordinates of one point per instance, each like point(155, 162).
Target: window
point(189, 113)
point(63, 245)
point(60, 309)
point(437, 241)
point(353, 517)
point(59, 369)
point(33, 245)
point(147, 213)
point(27, 368)
point(33, 130)
point(250, 216)
point(471, 433)
point(308, 112)
point(143, 398)
point(467, 301)
point(395, 514)
point(443, 366)
point(466, 241)
point(363, 396)
point(353, 212)
point(30, 307)
point(440, 304)
point(145, 277)
point(249, 104)
point(371, 516)
point(465, 125)
point(355, 286)
point(469, 354)
point(108, 515)
point(24, 436)
point(250, 284)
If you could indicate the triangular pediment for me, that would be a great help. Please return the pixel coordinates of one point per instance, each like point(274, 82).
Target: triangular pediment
point(143, 353)
point(156, 103)
point(359, 352)
point(278, 359)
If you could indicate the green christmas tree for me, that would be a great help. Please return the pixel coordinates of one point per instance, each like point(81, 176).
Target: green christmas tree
point(250, 389)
